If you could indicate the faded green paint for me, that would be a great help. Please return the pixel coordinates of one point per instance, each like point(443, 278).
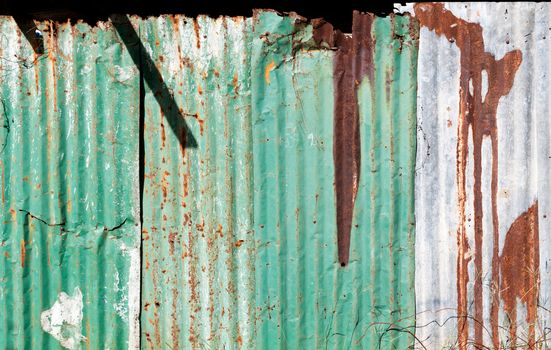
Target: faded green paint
point(69, 177)
point(304, 298)
point(239, 219)
point(240, 242)
point(198, 248)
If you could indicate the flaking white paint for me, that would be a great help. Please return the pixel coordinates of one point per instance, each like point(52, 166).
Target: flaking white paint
point(64, 319)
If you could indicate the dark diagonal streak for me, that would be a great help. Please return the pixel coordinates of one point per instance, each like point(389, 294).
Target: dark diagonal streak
point(173, 115)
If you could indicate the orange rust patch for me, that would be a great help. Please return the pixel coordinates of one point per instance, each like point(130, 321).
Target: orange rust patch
point(235, 83)
point(165, 184)
point(267, 71)
point(239, 243)
point(519, 267)
point(22, 251)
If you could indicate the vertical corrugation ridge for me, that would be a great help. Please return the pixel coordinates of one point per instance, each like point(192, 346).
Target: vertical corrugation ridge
point(50, 207)
point(513, 301)
point(203, 65)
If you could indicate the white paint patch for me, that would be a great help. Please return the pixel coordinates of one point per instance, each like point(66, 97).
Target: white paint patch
point(484, 84)
point(133, 295)
point(64, 319)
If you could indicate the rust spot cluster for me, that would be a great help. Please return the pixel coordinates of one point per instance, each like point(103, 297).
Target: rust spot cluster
point(515, 274)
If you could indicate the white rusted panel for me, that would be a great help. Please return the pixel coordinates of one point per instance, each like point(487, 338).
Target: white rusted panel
point(524, 167)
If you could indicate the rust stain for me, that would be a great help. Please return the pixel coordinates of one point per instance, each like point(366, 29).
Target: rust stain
point(22, 252)
point(519, 267)
point(197, 32)
point(165, 184)
point(163, 134)
point(267, 71)
point(352, 62)
point(240, 341)
point(477, 113)
point(171, 239)
point(175, 328)
point(235, 83)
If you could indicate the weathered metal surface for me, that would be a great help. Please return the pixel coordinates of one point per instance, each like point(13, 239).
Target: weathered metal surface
point(198, 247)
point(482, 186)
point(241, 230)
point(69, 266)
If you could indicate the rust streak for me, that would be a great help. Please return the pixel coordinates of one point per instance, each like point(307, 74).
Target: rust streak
point(197, 31)
point(477, 113)
point(22, 252)
point(163, 134)
point(352, 62)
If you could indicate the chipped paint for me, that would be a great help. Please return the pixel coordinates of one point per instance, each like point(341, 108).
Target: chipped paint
point(241, 242)
point(70, 189)
point(64, 319)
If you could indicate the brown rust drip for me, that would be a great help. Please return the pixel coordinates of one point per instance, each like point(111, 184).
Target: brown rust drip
point(478, 113)
point(519, 267)
point(352, 62)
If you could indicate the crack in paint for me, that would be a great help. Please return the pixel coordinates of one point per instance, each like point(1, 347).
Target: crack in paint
point(62, 224)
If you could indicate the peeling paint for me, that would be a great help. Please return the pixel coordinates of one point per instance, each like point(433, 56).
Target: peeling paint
point(64, 319)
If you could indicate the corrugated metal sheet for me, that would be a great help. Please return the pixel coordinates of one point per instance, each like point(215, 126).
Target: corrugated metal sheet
point(248, 240)
point(69, 266)
point(482, 197)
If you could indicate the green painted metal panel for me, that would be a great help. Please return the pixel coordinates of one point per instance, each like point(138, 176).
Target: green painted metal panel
point(305, 298)
point(240, 233)
point(198, 248)
point(69, 249)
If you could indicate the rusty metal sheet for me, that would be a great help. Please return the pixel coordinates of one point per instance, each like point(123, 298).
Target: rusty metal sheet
point(69, 247)
point(278, 195)
point(482, 198)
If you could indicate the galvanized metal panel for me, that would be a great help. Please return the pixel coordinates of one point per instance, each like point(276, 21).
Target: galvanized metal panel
point(241, 243)
point(69, 246)
point(482, 220)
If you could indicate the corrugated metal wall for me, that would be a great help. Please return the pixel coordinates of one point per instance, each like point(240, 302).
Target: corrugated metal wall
point(69, 244)
point(240, 226)
point(279, 181)
point(482, 183)
point(198, 248)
